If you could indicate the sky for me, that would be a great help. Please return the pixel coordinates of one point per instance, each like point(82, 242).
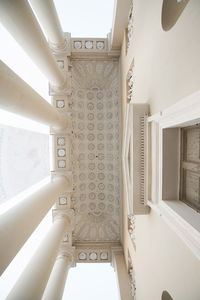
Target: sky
point(88, 18)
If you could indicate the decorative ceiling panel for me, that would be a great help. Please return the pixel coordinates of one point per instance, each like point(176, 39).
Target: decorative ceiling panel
point(96, 149)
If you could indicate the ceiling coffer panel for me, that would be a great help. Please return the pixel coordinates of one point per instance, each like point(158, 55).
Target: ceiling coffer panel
point(96, 149)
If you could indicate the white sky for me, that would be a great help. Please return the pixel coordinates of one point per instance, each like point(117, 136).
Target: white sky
point(85, 18)
point(88, 18)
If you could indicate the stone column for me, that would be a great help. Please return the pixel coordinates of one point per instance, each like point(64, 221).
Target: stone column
point(123, 278)
point(33, 280)
point(47, 15)
point(19, 20)
point(18, 223)
point(56, 283)
point(18, 97)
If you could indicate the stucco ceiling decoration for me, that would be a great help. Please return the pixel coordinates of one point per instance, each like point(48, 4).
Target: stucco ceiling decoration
point(96, 164)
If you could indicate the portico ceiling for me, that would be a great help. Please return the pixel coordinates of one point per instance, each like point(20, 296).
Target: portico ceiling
point(96, 149)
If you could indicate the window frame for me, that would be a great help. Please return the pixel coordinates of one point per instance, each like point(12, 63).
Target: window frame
point(179, 216)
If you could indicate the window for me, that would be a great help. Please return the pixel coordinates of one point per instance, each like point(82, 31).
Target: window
point(190, 166)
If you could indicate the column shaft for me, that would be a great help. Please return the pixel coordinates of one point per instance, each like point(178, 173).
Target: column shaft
point(33, 280)
point(19, 20)
point(56, 283)
point(17, 224)
point(46, 13)
point(123, 279)
point(18, 97)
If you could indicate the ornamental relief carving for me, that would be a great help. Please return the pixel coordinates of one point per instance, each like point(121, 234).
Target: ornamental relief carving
point(130, 85)
point(132, 277)
point(95, 148)
point(130, 26)
point(131, 228)
point(96, 75)
point(88, 45)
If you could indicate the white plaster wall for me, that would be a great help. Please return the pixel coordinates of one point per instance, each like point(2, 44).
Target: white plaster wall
point(164, 262)
point(167, 69)
point(167, 63)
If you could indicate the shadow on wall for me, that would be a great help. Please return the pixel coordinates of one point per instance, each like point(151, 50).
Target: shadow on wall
point(171, 11)
point(166, 296)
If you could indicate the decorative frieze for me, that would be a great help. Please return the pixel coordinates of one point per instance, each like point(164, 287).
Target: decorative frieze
point(61, 159)
point(64, 201)
point(130, 26)
point(134, 162)
point(62, 103)
point(92, 255)
point(89, 45)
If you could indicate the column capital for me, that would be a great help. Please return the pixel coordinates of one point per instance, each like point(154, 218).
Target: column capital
point(67, 252)
point(67, 215)
point(67, 177)
point(64, 48)
point(65, 88)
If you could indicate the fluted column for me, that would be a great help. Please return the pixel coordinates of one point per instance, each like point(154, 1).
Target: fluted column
point(17, 224)
point(33, 280)
point(18, 18)
point(56, 283)
point(47, 15)
point(18, 97)
point(123, 279)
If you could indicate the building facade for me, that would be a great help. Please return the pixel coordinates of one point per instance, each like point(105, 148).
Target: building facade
point(124, 126)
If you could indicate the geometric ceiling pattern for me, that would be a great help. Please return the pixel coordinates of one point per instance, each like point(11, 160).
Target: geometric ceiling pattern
point(96, 149)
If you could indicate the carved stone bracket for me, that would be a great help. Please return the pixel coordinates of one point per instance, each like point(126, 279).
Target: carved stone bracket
point(132, 278)
point(131, 229)
point(130, 85)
